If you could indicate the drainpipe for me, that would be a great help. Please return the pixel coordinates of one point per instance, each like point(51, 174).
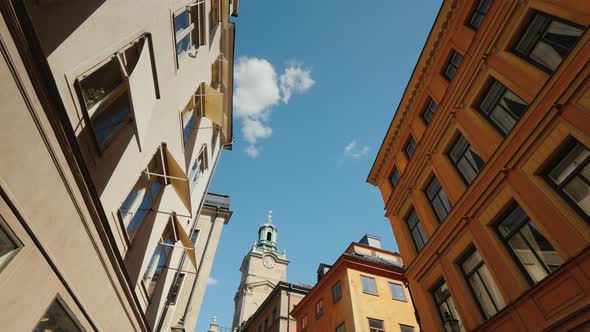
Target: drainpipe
point(197, 214)
point(414, 305)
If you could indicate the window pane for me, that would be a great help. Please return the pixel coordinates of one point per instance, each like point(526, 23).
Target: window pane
point(397, 291)
point(176, 288)
point(482, 296)
point(512, 221)
point(527, 259)
point(466, 169)
point(182, 21)
point(459, 148)
point(570, 162)
point(471, 262)
point(369, 285)
point(183, 45)
point(97, 85)
point(341, 328)
point(491, 97)
point(7, 246)
point(57, 319)
point(513, 103)
point(532, 34)
point(406, 328)
point(433, 188)
point(107, 121)
point(487, 279)
point(374, 323)
point(395, 175)
point(579, 191)
point(502, 120)
point(419, 237)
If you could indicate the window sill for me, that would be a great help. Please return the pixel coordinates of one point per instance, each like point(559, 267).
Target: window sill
point(369, 293)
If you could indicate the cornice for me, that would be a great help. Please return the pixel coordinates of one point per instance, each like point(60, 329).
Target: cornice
point(415, 86)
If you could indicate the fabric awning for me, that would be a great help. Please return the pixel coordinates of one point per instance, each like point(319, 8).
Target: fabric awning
point(178, 179)
point(211, 103)
point(188, 245)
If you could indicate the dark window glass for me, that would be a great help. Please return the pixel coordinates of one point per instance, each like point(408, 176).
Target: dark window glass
point(429, 110)
point(304, 323)
point(501, 107)
point(341, 328)
point(195, 236)
point(465, 159)
point(159, 259)
point(336, 292)
point(410, 147)
point(7, 245)
point(57, 318)
point(571, 176)
point(406, 328)
point(397, 291)
point(530, 248)
point(547, 40)
point(479, 13)
point(418, 235)
point(369, 285)
point(319, 309)
point(376, 325)
point(176, 288)
point(266, 324)
point(274, 314)
point(143, 196)
point(395, 177)
point(453, 65)
point(446, 307)
point(438, 200)
point(188, 29)
point(482, 285)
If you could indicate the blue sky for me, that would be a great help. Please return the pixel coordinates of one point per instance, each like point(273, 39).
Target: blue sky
point(317, 84)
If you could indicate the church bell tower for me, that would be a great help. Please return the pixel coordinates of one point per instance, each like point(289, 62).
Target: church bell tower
point(262, 268)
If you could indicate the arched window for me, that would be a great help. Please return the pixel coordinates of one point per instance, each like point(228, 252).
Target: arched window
point(268, 236)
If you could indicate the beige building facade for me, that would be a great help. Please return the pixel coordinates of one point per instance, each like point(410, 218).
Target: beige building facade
point(114, 116)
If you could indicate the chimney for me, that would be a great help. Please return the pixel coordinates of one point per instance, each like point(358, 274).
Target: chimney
point(371, 240)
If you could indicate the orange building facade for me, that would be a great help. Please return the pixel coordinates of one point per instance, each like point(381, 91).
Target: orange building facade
point(365, 290)
point(485, 172)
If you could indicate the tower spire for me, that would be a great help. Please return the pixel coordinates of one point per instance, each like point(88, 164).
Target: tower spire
point(269, 218)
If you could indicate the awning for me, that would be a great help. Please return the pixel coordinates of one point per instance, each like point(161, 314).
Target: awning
point(211, 103)
point(178, 179)
point(187, 244)
point(220, 73)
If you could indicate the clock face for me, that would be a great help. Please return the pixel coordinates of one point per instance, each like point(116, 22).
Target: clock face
point(268, 261)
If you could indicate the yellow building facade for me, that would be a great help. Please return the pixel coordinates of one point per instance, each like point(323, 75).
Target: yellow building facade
point(363, 291)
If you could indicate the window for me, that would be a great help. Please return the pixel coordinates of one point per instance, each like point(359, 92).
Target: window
point(416, 231)
point(191, 115)
point(194, 236)
point(105, 93)
point(406, 328)
point(429, 110)
point(453, 65)
point(319, 309)
point(304, 323)
point(8, 246)
point(376, 325)
point(479, 13)
point(547, 40)
point(199, 166)
point(410, 147)
point(268, 236)
point(266, 324)
point(57, 318)
point(176, 289)
point(188, 29)
point(369, 285)
point(571, 176)
point(446, 307)
point(341, 328)
point(397, 291)
point(395, 177)
point(274, 314)
point(482, 284)
point(336, 292)
point(466, 161)
point(143, 196)
point(215, 16)
point(159, 259)
point(501, 107)
point(534, 254)
point(438, 199)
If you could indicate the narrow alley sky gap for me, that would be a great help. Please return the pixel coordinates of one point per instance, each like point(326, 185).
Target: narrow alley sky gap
point(317, 87)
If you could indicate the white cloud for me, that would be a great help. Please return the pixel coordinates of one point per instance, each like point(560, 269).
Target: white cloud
point(252, 151)
point(356, 151)
point(257, 91)
point(295, 79)
point(256, 87)
point(212, 281)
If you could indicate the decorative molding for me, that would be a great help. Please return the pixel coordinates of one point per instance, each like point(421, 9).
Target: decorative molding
point(415, 87)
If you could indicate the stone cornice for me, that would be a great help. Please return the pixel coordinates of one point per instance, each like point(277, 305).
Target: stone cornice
point(414, 88)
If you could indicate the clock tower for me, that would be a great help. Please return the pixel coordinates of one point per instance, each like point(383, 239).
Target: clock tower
point(262, 268)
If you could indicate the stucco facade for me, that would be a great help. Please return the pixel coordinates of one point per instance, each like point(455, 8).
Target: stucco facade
point(107, 165)
point(355, 307)
point(455, 175)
